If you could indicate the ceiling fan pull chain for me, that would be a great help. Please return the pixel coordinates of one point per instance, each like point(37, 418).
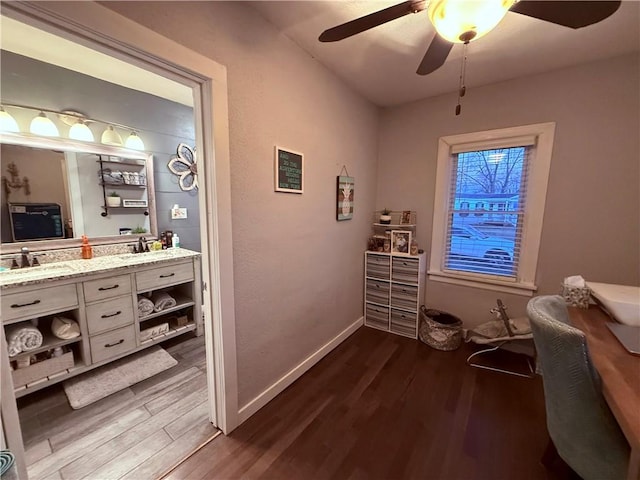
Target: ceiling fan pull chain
point(463, 71)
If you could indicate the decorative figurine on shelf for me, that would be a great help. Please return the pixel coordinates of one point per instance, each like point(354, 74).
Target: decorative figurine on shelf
point(386, 246)
point(414, 247)
point(385, 216)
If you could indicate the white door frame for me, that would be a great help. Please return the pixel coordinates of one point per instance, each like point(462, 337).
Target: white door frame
point(97, 27)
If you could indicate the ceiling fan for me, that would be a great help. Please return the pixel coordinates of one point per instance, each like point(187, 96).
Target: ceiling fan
point(461, 21)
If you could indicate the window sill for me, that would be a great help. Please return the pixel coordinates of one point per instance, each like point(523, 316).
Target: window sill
point(516, 288)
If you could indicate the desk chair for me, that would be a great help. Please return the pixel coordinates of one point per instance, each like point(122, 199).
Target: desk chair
point(579, 421)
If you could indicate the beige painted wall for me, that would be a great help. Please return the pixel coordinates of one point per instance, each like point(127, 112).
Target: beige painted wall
point(592, 221)
point(298, 272)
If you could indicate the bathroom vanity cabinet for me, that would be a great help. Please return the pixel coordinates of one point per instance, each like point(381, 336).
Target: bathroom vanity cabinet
point(101, 295)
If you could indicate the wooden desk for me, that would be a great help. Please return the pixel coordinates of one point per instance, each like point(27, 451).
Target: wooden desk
point(620, 373)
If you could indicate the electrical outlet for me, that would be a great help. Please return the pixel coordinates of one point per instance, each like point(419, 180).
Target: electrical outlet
point(178, 213)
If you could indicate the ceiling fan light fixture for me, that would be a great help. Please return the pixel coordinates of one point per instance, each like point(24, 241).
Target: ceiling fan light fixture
point(461, 21)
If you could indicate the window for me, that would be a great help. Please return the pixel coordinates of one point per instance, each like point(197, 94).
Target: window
point(506, 170)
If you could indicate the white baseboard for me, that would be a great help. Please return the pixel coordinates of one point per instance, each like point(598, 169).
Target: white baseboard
point(270, 393)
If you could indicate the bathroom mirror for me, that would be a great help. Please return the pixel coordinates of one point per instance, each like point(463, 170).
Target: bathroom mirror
point(56, 190)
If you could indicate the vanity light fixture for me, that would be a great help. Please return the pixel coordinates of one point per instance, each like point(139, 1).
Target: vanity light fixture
point(42, 125)
point(78, 124)
point(80, 131)
point(111, 137)
point(7, 122)
point(134, 142)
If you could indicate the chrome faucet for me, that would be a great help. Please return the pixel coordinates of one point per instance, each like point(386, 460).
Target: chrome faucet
point(24, 254)
point(26, 259)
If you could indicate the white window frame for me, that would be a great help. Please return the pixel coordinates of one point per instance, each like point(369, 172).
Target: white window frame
point(536, 193)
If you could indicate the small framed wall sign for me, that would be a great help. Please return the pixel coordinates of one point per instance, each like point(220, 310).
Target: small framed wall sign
point(289, 171)
point(345, 198)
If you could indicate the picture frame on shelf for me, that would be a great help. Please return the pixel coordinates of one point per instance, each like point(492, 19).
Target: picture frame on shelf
point(405, 219)
point(400, 242)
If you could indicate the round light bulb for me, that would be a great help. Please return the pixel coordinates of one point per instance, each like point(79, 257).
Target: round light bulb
point(7, 122)
point(134, 142)
point(41, 125)
point(111, 137)
point(80, 131)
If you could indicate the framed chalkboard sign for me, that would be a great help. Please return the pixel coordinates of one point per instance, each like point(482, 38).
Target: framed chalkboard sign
point(289, 171)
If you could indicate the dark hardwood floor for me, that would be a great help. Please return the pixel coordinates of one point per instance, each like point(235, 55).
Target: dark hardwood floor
point(388, 407)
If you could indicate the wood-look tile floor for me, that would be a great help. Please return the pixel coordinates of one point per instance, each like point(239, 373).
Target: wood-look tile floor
point(137, 433)
point(382, 406)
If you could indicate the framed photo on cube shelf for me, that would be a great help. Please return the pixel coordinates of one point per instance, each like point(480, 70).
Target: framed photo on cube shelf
point(405, 219)
point(400, 242)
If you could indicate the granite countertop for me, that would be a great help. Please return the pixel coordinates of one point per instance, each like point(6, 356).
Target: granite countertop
point(79, 268)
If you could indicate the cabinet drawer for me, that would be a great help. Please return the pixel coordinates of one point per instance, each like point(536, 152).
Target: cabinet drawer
point(164, 276)
point(378, 266)
point(405, 270)
point(404, 296)
point(106, 288)
point(41, 301)
point(404, 323)
point(377, 316)
point(377, 291)
point(109, 314)
point(112, 344)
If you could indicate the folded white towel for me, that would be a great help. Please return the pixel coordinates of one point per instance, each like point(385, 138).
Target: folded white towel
point(574, 281)
point(162, 301)
point(22, 338)
point(145, 306)
point(65, 328)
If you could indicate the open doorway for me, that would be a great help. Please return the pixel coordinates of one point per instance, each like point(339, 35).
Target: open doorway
point(94, 25)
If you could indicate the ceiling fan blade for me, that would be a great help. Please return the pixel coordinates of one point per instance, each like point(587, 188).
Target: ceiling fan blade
point(372, 20)
point(573, 14)
point(436, 55)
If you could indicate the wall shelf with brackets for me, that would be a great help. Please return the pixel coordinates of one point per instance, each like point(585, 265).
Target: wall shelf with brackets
point(116, 179)
point(400, 220)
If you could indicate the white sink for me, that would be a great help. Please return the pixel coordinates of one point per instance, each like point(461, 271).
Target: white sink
point(622, 301)
point(40, 272)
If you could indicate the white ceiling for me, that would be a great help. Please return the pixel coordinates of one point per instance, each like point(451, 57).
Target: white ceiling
point(58, 51)
point(380, 63)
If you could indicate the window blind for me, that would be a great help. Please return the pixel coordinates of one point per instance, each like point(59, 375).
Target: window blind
point(486, 209)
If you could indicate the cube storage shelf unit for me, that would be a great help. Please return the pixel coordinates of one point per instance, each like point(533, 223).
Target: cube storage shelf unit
point(105, 306)
point(394, 291)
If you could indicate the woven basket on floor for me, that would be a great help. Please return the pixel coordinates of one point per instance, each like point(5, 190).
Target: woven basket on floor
point(439, 330)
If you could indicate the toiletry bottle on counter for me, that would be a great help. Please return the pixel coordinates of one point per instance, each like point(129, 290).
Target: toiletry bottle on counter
point(87, 250)
point(175, 241)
